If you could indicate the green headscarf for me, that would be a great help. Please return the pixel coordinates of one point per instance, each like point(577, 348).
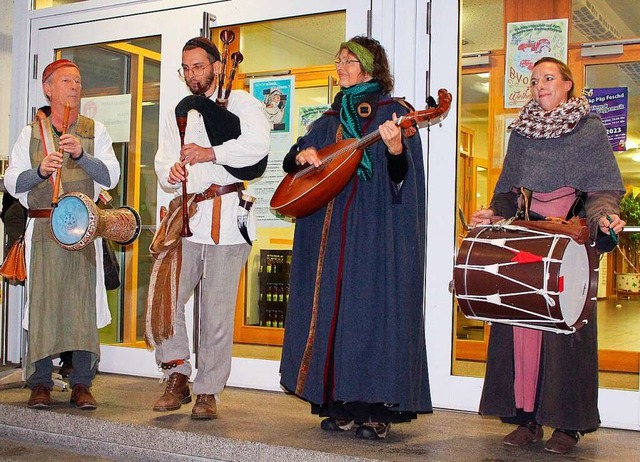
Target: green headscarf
point(364, 55)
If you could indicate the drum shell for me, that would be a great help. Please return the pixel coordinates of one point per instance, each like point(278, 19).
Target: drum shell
point(471, 282)
point(121, 225)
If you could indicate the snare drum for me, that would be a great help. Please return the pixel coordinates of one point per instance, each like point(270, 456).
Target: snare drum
point(523, 277)
point(76, 221)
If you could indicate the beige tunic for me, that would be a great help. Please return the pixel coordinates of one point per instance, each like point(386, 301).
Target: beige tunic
point(62, 314)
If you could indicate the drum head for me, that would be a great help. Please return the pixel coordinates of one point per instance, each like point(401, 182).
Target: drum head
point(574, 278)
point(70, 220)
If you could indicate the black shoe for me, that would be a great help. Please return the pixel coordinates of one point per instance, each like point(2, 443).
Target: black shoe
point(334, 425)
point(65, 370)
point(373, 430)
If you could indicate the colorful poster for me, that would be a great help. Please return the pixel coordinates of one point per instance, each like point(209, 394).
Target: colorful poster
point(612, 105)
point(527, 42)
point(276, 95)
point(308, 114)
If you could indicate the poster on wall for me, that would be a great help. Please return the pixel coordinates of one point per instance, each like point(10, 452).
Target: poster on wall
point(612, 105)
point(276, 96)
point(527, 42)
point(263, 190)
point(308, 114)
point(113, 111)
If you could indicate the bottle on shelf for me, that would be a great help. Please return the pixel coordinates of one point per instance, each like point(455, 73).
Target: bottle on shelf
point(281, 292)
point(269, 292)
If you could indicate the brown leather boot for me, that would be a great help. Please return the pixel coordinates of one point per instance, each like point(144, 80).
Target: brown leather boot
point(175, 395)
point(205, 408)
point(82, 398)
point(40, 397)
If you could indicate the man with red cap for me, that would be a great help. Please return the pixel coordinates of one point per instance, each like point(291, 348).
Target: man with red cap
point(66, 299)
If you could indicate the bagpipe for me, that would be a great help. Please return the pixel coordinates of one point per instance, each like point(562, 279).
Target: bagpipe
point(220, 124)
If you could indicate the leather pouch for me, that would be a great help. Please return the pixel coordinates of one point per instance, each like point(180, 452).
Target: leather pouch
point(14, 266)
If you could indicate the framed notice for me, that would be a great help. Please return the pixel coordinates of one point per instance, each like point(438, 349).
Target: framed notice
point(612, 105)
point(276, 95)
point(527, 42)
point(113, 111)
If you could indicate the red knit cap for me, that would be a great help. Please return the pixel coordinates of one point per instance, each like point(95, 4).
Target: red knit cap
point(54, 66)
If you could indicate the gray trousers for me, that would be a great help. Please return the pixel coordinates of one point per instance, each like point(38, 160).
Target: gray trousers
point(217, 268)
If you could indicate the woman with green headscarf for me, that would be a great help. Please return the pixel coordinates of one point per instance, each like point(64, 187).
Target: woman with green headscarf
point(354, 343)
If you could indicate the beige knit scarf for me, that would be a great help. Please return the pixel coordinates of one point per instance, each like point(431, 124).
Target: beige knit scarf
point(534, 122)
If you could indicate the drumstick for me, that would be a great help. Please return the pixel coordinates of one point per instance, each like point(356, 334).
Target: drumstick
point(612, 233)
point(56, 186)
point(466, 226)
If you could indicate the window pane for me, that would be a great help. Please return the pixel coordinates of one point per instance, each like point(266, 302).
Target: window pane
point(40, 4)
point(119, 70)
point(617, 327)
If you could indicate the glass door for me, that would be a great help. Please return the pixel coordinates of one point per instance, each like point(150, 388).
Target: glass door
point(619, 297)
point(611, 83)
point(120, 84)
point(133, 55)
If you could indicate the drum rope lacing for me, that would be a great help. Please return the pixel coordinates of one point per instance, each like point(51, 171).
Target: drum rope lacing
point(495, 268)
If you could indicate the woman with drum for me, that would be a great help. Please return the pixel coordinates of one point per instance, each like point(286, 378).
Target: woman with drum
point(558, 161)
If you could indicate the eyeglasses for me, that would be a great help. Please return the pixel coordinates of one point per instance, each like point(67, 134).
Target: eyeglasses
point(344, 63)
point(196, 70)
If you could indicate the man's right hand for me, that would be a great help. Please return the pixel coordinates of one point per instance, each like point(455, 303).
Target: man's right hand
point(177, 174)
point(50, 163)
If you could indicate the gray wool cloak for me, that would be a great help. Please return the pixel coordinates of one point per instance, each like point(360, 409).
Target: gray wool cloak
point(567, 394)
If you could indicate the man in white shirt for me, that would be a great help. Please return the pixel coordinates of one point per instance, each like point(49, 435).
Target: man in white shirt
point(218, 249)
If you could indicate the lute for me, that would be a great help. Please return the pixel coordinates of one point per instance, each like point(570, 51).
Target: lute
point(309, 188)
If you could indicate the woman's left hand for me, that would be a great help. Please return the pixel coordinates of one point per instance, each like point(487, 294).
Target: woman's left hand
point(608, 222)
point(391, 136)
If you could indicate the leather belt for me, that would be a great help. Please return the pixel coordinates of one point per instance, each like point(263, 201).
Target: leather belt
point(216, 190)
point(39, 213)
